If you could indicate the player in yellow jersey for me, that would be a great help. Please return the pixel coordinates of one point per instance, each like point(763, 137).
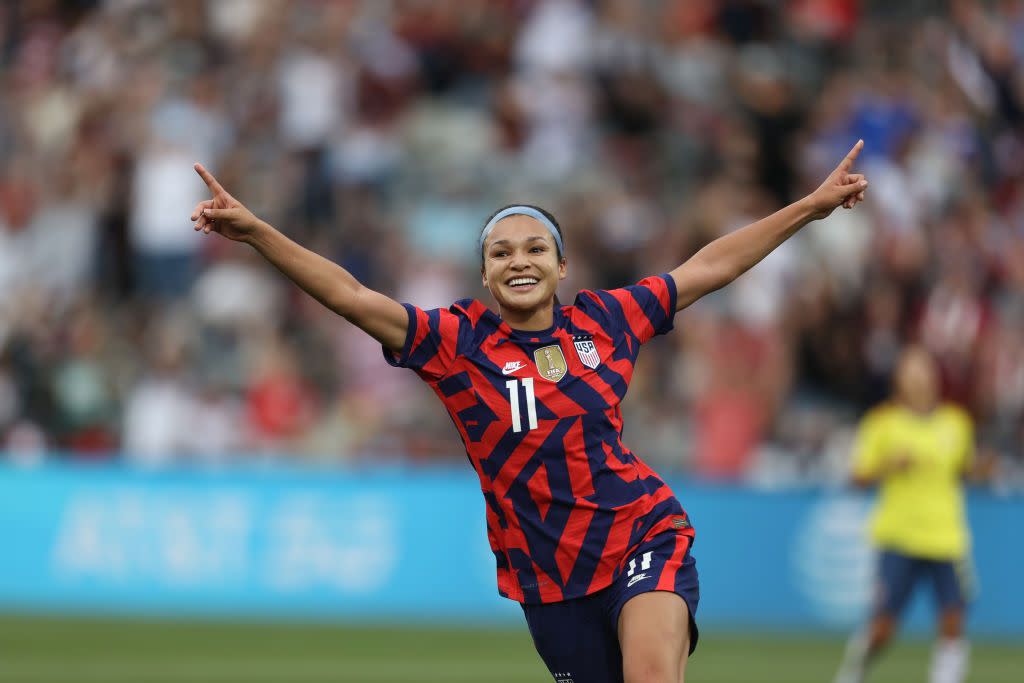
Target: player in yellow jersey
point(918, 451)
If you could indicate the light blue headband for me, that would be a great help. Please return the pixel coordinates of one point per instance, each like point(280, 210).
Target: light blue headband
point(521, 211)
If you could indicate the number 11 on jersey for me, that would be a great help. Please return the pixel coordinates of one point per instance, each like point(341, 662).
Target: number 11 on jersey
point(531, 404)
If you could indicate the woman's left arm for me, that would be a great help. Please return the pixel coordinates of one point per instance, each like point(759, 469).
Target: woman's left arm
point(728, 257)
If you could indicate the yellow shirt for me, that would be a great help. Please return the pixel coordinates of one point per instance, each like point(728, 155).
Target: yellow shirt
point(920, 511)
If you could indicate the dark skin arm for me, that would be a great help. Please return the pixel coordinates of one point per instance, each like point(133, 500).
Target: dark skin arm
point(894, 465)
point(728, 257)
point(381, 317)
point(981, 470)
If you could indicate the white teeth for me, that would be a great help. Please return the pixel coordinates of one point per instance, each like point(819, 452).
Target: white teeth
point(522, 281)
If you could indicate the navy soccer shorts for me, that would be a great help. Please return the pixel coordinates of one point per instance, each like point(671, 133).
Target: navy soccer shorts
point(899, 574)
point(579, 639)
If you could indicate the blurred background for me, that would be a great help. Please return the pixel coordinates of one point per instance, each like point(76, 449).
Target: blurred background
point(184, 433)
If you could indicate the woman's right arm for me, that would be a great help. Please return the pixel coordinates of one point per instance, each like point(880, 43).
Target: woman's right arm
point(381, 317)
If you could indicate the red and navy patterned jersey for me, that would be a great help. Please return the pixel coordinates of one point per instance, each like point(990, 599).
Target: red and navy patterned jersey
point(539, 415)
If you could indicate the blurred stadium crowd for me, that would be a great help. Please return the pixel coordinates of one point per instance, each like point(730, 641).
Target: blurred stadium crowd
point(382, 133)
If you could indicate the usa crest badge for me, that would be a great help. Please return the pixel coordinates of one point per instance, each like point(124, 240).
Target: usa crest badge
point(587, 351)
point(550, 363)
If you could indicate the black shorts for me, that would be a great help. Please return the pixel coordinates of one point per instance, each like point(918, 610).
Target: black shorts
point(579, 639)
point(898, 574)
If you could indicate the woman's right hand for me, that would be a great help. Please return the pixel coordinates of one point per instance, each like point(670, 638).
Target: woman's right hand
point(223, 213)
point(898, 463)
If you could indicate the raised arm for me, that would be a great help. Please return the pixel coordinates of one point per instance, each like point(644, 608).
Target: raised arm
point(382, 318)
point(728, 257)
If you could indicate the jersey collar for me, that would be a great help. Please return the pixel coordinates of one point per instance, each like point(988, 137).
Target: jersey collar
point(558, 321)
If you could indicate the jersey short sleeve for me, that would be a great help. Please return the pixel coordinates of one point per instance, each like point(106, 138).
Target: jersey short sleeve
point(867, 448)
point(966, 431)
point(644, 310)
point(431, 343)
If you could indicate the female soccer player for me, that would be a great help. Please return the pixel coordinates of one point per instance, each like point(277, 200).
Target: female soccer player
point(587, 537)
point(917, 450)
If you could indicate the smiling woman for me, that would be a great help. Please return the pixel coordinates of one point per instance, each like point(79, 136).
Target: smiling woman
point(585, 535)
point(523, 261)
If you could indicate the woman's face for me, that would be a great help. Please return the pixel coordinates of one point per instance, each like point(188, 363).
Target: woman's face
point(917, 378)
point(521, 264)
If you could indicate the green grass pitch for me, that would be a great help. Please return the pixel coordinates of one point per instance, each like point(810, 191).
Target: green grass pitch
point(81, 650)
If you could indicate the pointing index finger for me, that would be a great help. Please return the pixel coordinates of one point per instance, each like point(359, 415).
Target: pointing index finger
point(208, 178)
point(847, 162)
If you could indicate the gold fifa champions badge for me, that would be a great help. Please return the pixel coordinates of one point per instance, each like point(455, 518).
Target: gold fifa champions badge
point(550, 362)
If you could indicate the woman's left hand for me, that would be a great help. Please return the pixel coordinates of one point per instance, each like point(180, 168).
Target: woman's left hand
point(841, 188)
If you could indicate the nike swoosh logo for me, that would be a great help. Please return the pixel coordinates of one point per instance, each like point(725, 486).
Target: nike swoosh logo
point(509, 368)
point(636, 578)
